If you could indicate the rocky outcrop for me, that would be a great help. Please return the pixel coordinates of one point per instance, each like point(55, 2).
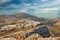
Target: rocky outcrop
point(43, 32)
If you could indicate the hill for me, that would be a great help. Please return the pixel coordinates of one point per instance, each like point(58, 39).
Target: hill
point(22, 26)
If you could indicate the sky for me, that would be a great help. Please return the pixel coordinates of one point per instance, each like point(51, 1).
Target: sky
point(39, 8)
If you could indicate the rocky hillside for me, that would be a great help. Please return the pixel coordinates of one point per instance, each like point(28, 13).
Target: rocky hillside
point(23, 26)
point(10, 19)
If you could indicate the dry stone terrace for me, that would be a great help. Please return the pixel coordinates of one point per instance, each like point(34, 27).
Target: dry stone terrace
point(18, 33)
point(20, 29)
point(20, 24)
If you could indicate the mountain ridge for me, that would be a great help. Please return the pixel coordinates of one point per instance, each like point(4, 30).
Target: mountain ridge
point(23, 16)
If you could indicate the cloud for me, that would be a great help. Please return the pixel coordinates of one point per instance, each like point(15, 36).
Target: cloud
point(25, 11)
point(25, 7)
point(44, 0)
point(35, 4)
point(45, 12)
point(13, 6)
point(51, 9)
point(25, 4)
point(51, 3)
point(4, 1)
